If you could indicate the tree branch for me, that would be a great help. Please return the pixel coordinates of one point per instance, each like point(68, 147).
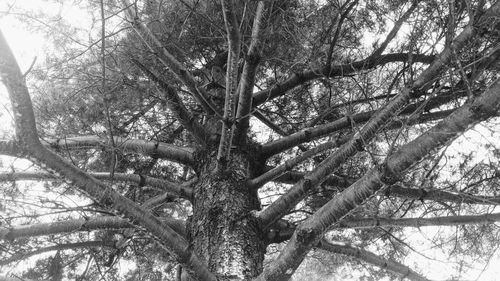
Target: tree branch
point(168, 59)
point(233, 40)
point(167, 186)
point(419, 222)
point(280, 170)
point(28, 141)
point(276, 172)
point(334, 71)
point(394, 30)
point(369, 257)
point(286, 202)
point(176, 105)
point(258, 114)
point(87, 244)
point(247, 80)
point(289, 164)
point(151, 148)
point(396, 190)
point(283, 230)
point(311, 231)
point(137, 115)
point(440, 195)
point(68, 226)
point(340, 23)
point(292, 177)
point(312, 133)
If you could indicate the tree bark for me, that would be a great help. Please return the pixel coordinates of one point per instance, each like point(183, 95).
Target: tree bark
point(223, 229)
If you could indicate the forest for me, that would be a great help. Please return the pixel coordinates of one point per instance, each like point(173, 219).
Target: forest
point(251, 140)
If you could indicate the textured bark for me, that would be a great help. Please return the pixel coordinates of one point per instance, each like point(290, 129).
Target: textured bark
point(233, 45)
point(223, 229)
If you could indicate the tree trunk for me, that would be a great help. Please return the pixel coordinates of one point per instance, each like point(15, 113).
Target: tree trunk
point(223, 229)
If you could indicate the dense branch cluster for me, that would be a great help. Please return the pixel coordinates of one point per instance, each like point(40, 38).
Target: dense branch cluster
point(339, 116)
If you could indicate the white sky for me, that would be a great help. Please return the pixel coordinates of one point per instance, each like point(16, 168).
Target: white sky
point(27, 45)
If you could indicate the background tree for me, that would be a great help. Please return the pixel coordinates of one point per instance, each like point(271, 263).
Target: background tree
point(188, 139)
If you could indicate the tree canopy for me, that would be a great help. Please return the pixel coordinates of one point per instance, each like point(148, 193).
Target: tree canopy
point(252, 140)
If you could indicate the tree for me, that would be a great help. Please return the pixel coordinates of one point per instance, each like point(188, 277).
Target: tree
point(181, 125)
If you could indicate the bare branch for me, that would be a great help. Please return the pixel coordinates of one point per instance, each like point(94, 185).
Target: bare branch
point(340, 22)
point(394, 30)
point(292, 177)
point(396, 190)
point(371, 258)
point(258, 114)
point(151, 148)
point(34, 230)
point(419, 222)
point(171, 187)
point(334, 71)
point(247, 80)
point(233, 39)
point(283, 230)
point(346, 122)
point(104, 92)
point(309, 134)
point(138, 115)
point(289, 164)
point(68, 226)
point(440, 195)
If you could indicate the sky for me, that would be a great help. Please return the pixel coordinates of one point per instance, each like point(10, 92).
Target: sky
point(30, 46)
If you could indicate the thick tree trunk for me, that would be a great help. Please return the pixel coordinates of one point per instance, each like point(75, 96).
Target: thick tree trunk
point(223, 229)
